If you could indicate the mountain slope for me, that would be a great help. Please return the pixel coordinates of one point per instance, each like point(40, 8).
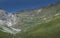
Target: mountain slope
point(28, 18)
point(40, 23)
point(50, 29)
point(36, 23)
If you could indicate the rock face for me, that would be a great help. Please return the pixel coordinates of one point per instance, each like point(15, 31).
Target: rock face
point(7, 20)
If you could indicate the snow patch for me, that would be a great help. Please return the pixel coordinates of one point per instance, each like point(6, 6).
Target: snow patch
point(39, 10)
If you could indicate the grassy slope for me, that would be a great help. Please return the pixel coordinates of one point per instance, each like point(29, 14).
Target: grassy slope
point(4, 35)
point(45, 30)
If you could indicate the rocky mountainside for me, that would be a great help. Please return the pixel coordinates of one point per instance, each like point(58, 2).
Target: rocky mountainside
point(41, 22)
point(7, 21)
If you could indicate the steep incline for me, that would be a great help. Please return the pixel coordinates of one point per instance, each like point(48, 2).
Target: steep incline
point(35, 23)
point(40, 22)
point(28, 18)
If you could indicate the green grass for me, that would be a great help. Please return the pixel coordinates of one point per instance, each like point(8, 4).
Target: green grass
point(45, 30)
